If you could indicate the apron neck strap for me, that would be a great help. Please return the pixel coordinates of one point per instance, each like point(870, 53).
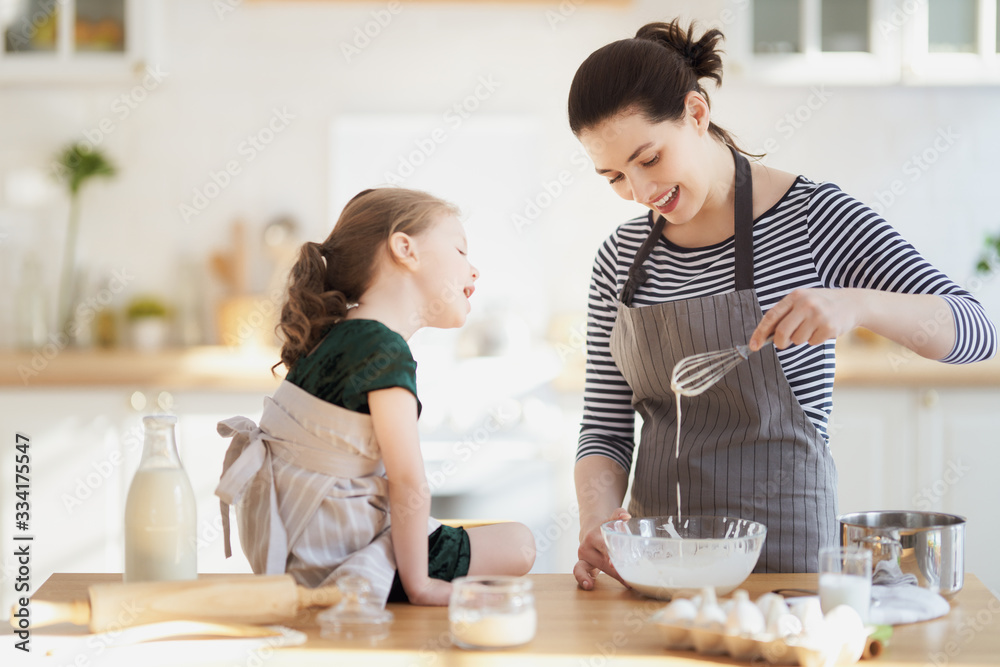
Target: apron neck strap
point(743, 210)
point(636, 274)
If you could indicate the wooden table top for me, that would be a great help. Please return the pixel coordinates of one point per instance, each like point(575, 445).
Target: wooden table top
point(606, 626)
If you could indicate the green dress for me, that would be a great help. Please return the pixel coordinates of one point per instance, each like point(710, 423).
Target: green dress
point(354, 358)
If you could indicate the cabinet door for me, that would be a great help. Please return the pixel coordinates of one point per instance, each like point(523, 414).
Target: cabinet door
point(965, 477)
point(80, 40)
point(873, 440)
point(76, 497)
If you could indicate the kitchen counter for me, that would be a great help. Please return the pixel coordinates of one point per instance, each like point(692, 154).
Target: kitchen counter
point(248, 369)
point(602, 627)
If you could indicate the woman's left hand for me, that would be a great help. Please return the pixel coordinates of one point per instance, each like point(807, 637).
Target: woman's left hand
point(809, 316)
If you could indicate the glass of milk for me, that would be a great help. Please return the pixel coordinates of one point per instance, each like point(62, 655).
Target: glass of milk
point(845, 577)
point(491, 612)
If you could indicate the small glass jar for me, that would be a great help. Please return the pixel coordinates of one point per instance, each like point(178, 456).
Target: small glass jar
point(489, 612)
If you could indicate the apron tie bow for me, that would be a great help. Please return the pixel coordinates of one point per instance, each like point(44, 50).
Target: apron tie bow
point(246, 456)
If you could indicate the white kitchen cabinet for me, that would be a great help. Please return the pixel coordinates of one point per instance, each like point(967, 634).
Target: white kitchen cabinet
point(849, 42)
point(75, 481)
point(77, 41)
point(924, 448)
point(962, 475)
point(872, 436)
point(85, 448)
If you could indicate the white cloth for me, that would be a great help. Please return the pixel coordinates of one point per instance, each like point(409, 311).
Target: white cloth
point(895, 605)
point(310, 492)
point(888, 573)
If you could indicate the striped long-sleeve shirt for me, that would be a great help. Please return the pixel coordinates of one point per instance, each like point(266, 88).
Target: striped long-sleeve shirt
point(814, 236)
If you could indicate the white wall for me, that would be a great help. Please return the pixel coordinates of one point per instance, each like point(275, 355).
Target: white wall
point(227, 74)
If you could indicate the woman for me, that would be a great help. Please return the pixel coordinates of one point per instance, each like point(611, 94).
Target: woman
point(729, 252)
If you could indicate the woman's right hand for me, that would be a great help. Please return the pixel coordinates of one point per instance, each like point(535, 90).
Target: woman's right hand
point(593, 555)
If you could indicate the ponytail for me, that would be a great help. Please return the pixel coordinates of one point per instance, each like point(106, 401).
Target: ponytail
point(701, 56)
point(329, 278)
point(652, 72)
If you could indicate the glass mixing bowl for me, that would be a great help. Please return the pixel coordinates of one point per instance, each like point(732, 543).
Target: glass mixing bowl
point(662, 556)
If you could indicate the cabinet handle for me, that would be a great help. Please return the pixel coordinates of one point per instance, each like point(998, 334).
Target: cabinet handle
point(929, 398)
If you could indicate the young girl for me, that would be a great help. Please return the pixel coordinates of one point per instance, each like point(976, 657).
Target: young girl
point(724, 253)
point(332, 482)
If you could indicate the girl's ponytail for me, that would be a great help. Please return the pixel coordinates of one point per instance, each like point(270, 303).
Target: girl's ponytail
point(312, 303)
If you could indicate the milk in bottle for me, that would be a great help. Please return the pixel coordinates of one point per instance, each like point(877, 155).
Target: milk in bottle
point(160, 517)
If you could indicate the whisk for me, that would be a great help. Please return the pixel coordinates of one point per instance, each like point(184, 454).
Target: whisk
point(694, 374)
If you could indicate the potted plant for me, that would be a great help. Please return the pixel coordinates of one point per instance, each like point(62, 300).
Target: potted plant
point(76, 164)
point(147, 316)
point(989, 257)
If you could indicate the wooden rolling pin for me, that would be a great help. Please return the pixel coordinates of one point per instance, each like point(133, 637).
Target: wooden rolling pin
point(244, 599)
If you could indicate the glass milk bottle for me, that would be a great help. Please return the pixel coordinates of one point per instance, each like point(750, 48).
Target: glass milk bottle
point(160, 517)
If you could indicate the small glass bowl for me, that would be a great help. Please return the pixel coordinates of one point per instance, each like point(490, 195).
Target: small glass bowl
point(357, 616)
point(491, 612)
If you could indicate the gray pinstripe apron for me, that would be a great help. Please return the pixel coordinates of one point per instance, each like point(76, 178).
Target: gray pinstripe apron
point(748, 449)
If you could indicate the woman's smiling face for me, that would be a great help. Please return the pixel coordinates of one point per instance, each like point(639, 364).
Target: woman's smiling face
point(659, 165)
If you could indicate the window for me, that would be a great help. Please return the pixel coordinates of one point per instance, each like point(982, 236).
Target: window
point(100, 25)
point(851, 42)
point(951, 26)
point(776, 26)
point(57, 26)
point(31, 27)
point(844, 25)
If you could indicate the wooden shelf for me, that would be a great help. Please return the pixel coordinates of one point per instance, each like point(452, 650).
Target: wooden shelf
point(216, 367)
point(249, 369)
point(889, 365)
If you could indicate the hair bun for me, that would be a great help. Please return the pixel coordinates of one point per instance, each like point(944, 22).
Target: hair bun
point(701, 55)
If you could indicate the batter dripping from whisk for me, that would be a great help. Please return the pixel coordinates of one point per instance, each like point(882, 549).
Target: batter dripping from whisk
point(696, 373)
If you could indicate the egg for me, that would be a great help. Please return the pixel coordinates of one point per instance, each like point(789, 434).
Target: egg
point(779, 620)
point(765, 601)
point(844, 623)
point(709, 624)
point(679, 612)
point(744, 623)
point(810, 614)
point(675, 621)
point(744, 617)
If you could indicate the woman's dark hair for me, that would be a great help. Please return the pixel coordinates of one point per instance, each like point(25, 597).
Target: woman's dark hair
point(331, 276)
point(652, 72)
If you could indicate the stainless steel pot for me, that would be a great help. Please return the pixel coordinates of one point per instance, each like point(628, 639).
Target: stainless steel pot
point(929, 545)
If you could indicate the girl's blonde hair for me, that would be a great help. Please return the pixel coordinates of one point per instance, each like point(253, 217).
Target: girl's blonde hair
point(331, 276)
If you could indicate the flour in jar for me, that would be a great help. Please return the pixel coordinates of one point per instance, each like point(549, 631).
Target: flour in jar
point(473, 629)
